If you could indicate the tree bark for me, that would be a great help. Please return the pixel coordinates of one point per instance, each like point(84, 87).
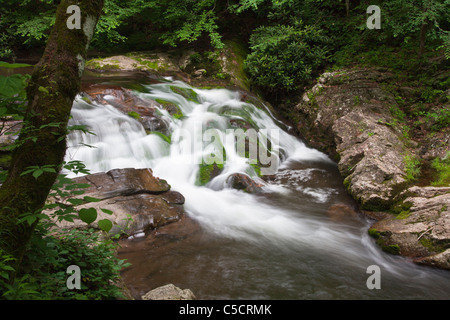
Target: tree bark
point(53, 86)
point(423, 35)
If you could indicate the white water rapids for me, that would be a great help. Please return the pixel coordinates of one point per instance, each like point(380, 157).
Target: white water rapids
point(300, 247)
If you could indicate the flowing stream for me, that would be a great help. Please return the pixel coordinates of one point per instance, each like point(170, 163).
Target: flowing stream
point(291, 241)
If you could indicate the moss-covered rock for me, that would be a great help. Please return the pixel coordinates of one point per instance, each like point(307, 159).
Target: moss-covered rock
point(207, 172)
point(421, 227)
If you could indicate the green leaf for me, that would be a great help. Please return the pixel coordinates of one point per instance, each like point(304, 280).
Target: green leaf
point(11, 86)
point(4, 275)
point(91, 199)
point(88, 215)
point(43, 89)
point(75, 201)
point(105, 225)
point(38, 173)
point(47, 169)
point(107, 211)
point(4, 64)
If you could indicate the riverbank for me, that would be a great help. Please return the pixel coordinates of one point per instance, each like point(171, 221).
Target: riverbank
point(387, 139)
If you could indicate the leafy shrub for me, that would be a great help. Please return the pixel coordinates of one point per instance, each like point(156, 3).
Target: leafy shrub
point(442, 167)
point(412, 167)
point(43, 273)
point(439, 119)
point(284, 57)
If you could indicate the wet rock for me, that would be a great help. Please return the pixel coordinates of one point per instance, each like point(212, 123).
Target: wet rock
point(138, 201)
point(173, 197)
point(123, 182)
point(169, 292)
point(421, 232)
point(371, 159)
point(124, 100)
point(243, 182)
point(345, 115)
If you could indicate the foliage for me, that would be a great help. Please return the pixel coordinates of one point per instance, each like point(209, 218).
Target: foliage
point(285, 56)
point(405, 19)
point(439, 119)
point(13, 96)
point(442, 167)
point(412, 167)
point(43, 273)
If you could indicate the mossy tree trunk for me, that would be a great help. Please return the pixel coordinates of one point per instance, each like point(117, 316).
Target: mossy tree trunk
point(54, 84)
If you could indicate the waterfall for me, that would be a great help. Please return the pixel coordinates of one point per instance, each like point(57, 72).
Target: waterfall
point(204, 126)
point(283, 232)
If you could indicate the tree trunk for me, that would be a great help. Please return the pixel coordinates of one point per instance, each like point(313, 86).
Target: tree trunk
point(347, 7)
point(53, 86)
point(423, 35)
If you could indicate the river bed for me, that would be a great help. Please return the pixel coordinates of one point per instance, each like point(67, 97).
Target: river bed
point(302, 238)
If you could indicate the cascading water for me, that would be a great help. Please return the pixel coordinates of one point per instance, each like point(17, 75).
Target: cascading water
point(279, 244)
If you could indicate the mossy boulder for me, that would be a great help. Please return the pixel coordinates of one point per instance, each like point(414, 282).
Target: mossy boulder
point(424, 233)
point(207, 172)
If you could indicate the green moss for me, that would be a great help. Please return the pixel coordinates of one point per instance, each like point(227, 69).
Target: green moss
point(207, 172)
point(97, 65)
point(401, 209)
point(378, 236)
point(434, 246)
point(347, 183)
point(5, 160)
point(134, 115)
point(392, 249)
point(403, 215)
point(376, 205)
point(374, 233)
point(187, 93)
point(162, 136)
point(257, 169)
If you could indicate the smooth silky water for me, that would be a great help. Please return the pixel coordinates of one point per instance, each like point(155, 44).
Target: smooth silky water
point(284, 243)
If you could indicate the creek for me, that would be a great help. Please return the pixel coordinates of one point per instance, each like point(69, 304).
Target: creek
point(301, 238)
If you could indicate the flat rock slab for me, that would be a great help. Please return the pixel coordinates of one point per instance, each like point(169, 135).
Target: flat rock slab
point(423, 233)
point(138, 201)
point(123, 182)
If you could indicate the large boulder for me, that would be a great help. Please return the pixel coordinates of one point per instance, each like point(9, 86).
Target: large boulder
point(347, 115)
point(138, 201)
point(351, 117)
point(422, 230)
